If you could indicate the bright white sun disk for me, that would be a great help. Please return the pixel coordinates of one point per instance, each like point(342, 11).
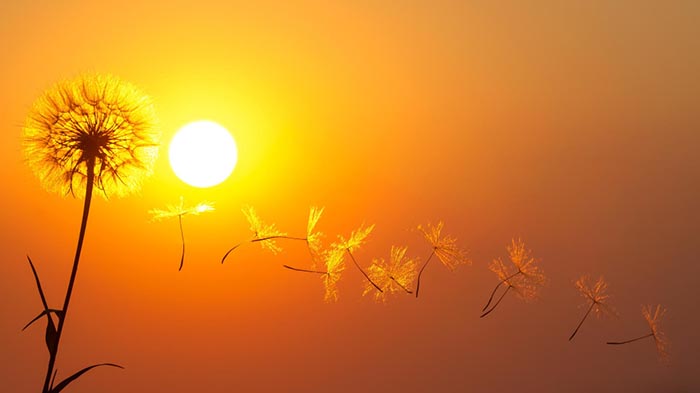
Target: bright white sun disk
point(203, 154)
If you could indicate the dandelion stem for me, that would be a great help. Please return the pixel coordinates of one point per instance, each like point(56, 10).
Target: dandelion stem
point(362, 271)
point(182, 237)
point(420, 273)
point(230, 251)
point(629, 341)
point(493, 293)
point(296, 269)
point(311, 253)
point(584, 318)
point(399, 284)
point(262, 239)
point(497, 303)
point(90, 169)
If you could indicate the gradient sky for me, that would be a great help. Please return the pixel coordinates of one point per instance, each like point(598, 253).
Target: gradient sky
point(574, 125)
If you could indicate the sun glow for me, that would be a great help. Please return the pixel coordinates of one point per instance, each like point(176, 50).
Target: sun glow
point(203, 154)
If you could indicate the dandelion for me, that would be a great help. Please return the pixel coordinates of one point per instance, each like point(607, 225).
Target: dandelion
point(598, 298)
point(525, 265)
point(179, 211)
point(335, 265)
point(94, 133)
point(357, 238)
point(266, 234)
point(396, 275)
point(525, 278)
point(443, 247)
point(653, 318)
point(91, 131)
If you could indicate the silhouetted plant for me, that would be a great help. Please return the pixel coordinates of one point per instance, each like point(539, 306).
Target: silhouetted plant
point(525, 278)
point(443, 247)
point(597, 297)
point(393, 276)
point(653, 318)
point(267, 234)
point(179, 211)
point(94, 133)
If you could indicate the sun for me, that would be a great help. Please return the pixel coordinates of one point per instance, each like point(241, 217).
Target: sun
point(203, 153)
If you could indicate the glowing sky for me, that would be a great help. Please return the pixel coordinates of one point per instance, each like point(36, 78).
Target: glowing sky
point(573, 125)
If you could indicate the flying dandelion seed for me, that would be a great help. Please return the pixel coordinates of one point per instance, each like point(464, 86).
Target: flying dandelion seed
point(334, 267)
point(334, 257)
point(443, 247)
point(262, 233)
point(653, 318)
point(313, 238)
point(507, 278)
point(525, 266)
point(357, 238)
point(334, 264)
point(178, 211)
point(393, 276)
point(92, 133)
point(525, 278)
point(267, 234)
point(597, 297)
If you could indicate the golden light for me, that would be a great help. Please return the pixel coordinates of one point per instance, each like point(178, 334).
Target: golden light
point(203, 153)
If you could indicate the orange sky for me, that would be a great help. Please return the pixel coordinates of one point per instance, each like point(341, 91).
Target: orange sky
point(574, 126)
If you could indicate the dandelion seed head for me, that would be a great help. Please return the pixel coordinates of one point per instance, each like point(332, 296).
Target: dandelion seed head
point(523, 289)
point(445, 247)
point(261, 231)
point(525, 278)
point(334, 267)
point(202, 207)
point(521, 258)
point(502, 271)
point(526, 264)
point(314, 238)
point(397, 275)
point(357, 239)
point(180, 210)
point(597, 294)
point(95, 123)
point(653, 317)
